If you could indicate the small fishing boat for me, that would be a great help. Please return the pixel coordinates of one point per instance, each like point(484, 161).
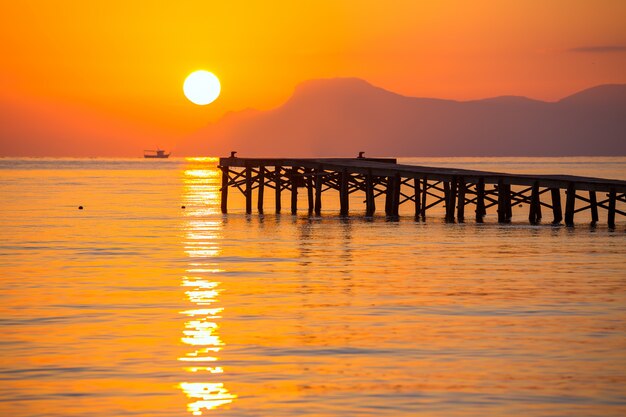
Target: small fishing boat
point(158, 153)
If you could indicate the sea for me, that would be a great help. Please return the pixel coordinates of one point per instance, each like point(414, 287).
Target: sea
point(151, 302)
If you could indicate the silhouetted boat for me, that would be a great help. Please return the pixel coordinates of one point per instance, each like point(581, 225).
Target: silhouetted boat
point(159, 153)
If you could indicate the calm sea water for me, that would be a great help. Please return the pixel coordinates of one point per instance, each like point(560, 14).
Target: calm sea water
point(136, 307)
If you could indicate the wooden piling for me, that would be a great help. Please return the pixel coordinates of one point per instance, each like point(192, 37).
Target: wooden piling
point(451, 206)
point(248, 190)
point(278, 181)
point(446, 198)
point(293, 177)
point(570, 204)
point(502, 211)
point(593, 206)
point(535, 205)
point(480, 200)
point(417, 197)
point(343, 194)
point(557, 211)
point(261, 189)
point(309, 189)
point(389, 196)
point(460, 212)
point(539, 215)
point(370, 204)
point(397, 184)
point(224, 189)
point(424, 196)
point(319, 181)
point(611, 211)
point(509, 205)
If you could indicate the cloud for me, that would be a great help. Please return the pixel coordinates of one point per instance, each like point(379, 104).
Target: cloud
point(599, 49)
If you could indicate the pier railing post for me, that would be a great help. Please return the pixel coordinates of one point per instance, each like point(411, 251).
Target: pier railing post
point(570, 204)
point(224, 202)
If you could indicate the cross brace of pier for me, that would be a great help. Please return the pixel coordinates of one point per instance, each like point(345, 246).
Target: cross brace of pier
point(422, 187)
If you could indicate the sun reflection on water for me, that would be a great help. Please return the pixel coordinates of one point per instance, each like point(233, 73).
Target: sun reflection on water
point(201, 185)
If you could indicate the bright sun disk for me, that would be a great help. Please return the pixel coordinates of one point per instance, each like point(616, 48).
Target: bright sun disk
point(202, 87)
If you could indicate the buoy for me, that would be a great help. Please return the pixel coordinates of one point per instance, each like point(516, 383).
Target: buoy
point(182, 207)
point(80, 207)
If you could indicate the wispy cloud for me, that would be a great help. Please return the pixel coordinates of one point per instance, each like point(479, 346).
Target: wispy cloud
point(599, 49)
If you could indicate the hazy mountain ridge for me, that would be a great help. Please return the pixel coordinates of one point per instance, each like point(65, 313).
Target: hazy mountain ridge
point(342, 116)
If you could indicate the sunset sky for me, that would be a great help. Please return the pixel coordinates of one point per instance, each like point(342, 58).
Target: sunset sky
point(120, 65)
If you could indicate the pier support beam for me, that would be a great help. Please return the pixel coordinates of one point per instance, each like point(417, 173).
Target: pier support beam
point(389, 196)
point(261, 189)
point(480, 200)
point(424, 196)
point(344, 200)
point(319, 181)
point(570, 204)
point(446, 198)
point(370, 203)
point(417, 197)
point(294, 190)
point(278, 181)
point(557, 211)
point(509, 205)
point(309, 190)
point(224, 189)
point(534, 215)
point(593, 206)
point(452, 196)
point(395, 203)
point(611, 211)
point(460, 211)
point(504, 202)
point(248, 190)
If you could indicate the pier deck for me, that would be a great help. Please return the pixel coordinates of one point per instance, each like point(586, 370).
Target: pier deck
point(423, 187)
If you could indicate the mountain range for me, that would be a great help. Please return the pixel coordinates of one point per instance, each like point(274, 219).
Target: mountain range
point(342, 116)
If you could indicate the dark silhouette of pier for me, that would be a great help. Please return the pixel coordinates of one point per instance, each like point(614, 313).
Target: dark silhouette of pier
point(423, 187)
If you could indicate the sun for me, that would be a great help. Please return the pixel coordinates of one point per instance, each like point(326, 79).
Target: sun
point(202, 87)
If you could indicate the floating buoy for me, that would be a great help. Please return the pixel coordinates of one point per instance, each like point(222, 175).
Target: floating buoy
point(182, 207)
point(80, 207)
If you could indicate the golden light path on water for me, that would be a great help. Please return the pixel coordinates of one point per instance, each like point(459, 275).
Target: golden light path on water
point(201, 332)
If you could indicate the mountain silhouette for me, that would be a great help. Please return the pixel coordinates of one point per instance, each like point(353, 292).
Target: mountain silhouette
point(341, 116)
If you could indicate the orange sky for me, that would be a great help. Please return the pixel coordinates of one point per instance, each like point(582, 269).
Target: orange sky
point(125, 62)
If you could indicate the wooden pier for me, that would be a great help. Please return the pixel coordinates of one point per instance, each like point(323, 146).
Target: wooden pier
point(422, 187)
